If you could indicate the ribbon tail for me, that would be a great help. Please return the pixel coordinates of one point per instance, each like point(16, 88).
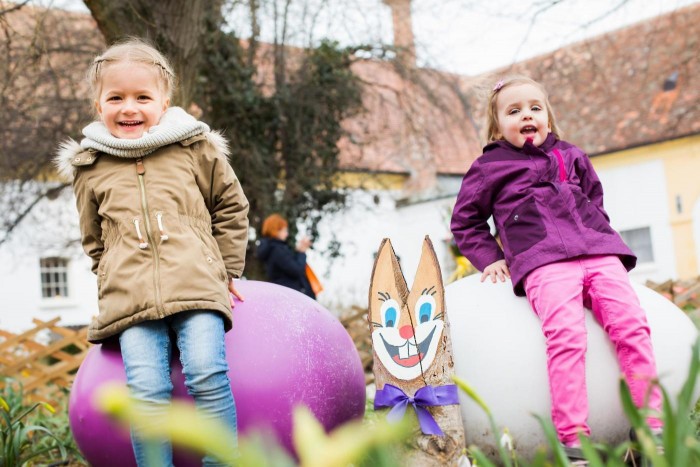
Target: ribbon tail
point(431, 396)
point(427, 423)
point(397, 412)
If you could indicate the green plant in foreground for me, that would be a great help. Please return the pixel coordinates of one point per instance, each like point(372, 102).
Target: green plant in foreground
point(507, 459)
point(681, 446)
point(347, 444)
point(22, 440)
point(351, 442)
point(59, 425)
point(695, 416)
point(680, 443)
point(180, 423)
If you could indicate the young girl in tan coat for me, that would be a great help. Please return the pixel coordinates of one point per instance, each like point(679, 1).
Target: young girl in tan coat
point(164, 219)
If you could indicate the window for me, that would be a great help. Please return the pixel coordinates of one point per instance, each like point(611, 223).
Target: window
point(639, 241)
point(54, 277)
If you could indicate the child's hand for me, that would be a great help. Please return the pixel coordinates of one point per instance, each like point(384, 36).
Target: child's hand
point(499, 270)
point(234, 293)
point(304, 244)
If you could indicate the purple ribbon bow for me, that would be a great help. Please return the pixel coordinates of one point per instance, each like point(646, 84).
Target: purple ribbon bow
point(427, 396)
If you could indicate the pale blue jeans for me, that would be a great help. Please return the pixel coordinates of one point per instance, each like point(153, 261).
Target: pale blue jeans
point(146, 350)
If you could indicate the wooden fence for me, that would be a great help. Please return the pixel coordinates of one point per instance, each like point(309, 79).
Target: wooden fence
point(355, 322)
point(43, 359)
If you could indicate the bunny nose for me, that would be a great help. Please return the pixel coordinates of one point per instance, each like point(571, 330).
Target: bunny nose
point(406, 332)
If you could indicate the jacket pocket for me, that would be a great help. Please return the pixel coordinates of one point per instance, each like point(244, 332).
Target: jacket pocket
point(213, 259)
point(590, 215)
point(524, 227)
point(102, 270)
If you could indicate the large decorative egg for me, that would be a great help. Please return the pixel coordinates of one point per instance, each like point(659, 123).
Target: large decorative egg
point(499, 349)
point(284, 349)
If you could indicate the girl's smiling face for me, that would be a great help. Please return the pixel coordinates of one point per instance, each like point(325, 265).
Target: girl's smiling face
point(131, 99)
point(522, 114)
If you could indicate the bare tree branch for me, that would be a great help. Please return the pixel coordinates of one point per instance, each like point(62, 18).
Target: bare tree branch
point(43, 97)
point(14, 7)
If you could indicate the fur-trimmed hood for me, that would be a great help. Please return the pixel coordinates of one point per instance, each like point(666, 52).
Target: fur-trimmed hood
point(67, 150)
point(69, 155)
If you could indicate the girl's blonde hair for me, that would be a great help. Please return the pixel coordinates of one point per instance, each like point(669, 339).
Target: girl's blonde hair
point(133, 50)
point(492, 132)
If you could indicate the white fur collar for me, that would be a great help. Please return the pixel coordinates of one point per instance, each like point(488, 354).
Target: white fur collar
point(174, 125)
point(69, 149)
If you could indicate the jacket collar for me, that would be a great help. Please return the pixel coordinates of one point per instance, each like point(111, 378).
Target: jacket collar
point(69, 155)
point(175, 125)
point(528, 148)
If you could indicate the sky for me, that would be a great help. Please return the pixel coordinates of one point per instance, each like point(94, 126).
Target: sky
point(504, 32)
point(468, 37)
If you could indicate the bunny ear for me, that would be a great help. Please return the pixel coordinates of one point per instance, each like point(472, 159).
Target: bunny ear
point(428, 276)
point(387, 278)
point(426, 304)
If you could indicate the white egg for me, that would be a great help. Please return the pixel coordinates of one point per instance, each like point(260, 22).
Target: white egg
point(499, 350)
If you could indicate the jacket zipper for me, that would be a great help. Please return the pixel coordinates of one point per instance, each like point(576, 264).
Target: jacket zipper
point(562, 170)
point(141, 170)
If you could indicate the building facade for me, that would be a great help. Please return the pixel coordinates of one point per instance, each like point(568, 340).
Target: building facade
point(631, 102)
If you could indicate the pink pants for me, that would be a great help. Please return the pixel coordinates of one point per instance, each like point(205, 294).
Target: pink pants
point(558, 293)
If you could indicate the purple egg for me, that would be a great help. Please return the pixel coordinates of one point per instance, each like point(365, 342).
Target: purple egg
point(284, 349)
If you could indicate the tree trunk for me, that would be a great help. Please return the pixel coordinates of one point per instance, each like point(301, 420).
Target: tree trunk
point(176, 27)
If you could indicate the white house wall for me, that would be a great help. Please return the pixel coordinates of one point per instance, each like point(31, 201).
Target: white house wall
point(48, 232)
point(696, 229)
point(636, 197)
point(360, 231)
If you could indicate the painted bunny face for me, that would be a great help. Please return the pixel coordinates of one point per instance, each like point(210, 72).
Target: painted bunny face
point(407, 326)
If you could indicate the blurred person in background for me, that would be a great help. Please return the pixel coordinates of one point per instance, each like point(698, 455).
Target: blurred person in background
point(283, 265)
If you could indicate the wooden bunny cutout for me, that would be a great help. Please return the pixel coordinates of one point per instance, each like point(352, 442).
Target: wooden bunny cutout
point(413, 354)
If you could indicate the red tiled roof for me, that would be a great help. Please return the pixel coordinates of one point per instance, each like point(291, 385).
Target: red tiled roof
point(415, 122)
point(634, 86)
point(631, 87)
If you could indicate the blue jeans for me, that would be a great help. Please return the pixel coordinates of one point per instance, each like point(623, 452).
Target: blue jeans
point(146, 350)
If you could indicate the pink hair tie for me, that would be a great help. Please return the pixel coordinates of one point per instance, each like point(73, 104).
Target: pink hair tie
point(498, 85)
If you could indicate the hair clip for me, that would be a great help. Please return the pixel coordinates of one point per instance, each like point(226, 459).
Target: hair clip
point(97, 63)
point(498, 85)
point(163, 69)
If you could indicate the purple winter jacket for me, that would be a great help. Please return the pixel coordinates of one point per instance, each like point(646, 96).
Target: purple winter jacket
point(547, 204)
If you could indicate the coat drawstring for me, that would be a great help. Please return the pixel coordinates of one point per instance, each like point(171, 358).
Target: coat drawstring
point(142, 243)
point(163, 235)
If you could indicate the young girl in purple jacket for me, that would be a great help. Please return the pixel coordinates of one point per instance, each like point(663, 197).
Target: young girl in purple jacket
point(557, 247)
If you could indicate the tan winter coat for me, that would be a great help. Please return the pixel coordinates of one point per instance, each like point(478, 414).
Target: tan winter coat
point(165, 231)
